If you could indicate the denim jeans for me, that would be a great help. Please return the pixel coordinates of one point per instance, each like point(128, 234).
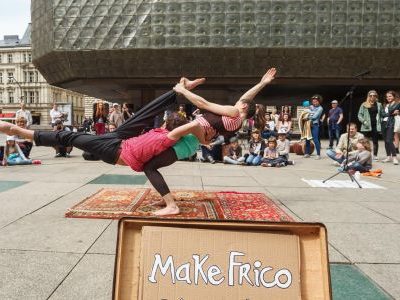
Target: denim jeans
point(254, 160)
point(315, 136)
point(332, 154)
point(334, 133)
point(356, 166)
point(232, 161)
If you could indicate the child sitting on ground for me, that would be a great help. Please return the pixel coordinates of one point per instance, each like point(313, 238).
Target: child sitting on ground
point(271, 155)
point(283, 147)
point(13, 154)
point(360, 160)
point(256, 150)
point(234, 153)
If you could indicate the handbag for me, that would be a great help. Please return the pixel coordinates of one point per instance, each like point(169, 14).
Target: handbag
point(397, 123)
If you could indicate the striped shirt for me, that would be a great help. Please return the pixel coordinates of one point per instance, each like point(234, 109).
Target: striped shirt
point(221, 124)
point(137, 151)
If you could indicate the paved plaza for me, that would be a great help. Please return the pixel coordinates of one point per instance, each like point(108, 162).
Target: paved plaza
point(44, 255)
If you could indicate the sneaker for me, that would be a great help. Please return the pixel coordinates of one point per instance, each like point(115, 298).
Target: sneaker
point(306, 155)
point(335, 163)
point(395, 161)
point(290, 162)
point(58, 155)
point(68, 155)
point(318, 157)
point(386, 160)
point(266, 165)
point(210, 159)
point(376, 158)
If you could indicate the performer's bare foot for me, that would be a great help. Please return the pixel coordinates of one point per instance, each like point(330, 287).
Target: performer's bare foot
point(5, 127)
point(169, 210)
point(159, 203)
point(191, 84)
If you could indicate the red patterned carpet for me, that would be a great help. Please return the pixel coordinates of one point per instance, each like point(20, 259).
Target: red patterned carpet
point(116, 203)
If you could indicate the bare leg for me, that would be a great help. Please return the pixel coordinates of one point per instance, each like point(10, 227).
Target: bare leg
point(171, 209)
point(11, 129)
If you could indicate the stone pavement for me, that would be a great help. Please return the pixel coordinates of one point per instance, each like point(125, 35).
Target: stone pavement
point(46, 256)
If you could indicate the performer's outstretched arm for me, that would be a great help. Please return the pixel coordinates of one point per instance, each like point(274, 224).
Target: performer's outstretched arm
point(265, 80)
point(200, 102)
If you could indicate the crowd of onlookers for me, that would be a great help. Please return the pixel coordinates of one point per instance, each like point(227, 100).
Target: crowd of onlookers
point(263, 140)
point(268, 136)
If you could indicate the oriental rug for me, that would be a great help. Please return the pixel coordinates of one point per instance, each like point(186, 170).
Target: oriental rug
point(141, 202)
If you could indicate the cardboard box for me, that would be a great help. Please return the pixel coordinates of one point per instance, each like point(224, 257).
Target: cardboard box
point(159, 259)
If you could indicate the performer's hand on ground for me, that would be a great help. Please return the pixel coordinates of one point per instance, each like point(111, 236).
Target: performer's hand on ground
point(269, 76)
point(191, 84)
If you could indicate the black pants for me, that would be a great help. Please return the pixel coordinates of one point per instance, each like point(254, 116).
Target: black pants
point(165, 158)
point(388, 136)
point(106, 146)
point(373, 134)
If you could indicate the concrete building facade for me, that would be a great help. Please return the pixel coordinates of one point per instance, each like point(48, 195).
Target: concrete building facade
point(129, 50)
point(20, 81)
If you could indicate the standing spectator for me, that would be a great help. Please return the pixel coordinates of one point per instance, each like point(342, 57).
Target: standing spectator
point(55, 114)
point(257, 146)
point(100, 118)
point(181, 111)
point(234, 155)
point(315, 116)
point(25, 114)
point(339, 154)
point(369, 115)
point(126, 111)
point(269, 128)
point(87, 123)
point(335, 117)
point(24, 144)
point(116, 116)
point(391, 110)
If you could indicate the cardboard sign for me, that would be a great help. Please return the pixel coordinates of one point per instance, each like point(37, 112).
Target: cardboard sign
point(182, 263)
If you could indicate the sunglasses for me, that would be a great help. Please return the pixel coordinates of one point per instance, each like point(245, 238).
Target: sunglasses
point(373, 95)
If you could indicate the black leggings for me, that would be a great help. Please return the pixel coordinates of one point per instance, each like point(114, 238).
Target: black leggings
point(165, 158)
point(106, 146)
point(388, 136)
point(373, 134)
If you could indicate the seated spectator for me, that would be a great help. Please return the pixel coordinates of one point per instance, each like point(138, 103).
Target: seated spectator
point(269, 129)
point(285, 110)
point(285, 124)
point(213, 151)
point(61, 150)
point(283, 148)
point(256, 151)
point(234, 156)
point(24, 144)
point(339, 154)
point(13, 154)
point(271, 156)
point(111, 127)
point(361, 159)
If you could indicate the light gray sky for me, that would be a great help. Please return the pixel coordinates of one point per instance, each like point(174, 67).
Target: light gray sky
point(14, 17)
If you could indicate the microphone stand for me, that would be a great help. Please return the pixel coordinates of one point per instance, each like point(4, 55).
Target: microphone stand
point(349, 95)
